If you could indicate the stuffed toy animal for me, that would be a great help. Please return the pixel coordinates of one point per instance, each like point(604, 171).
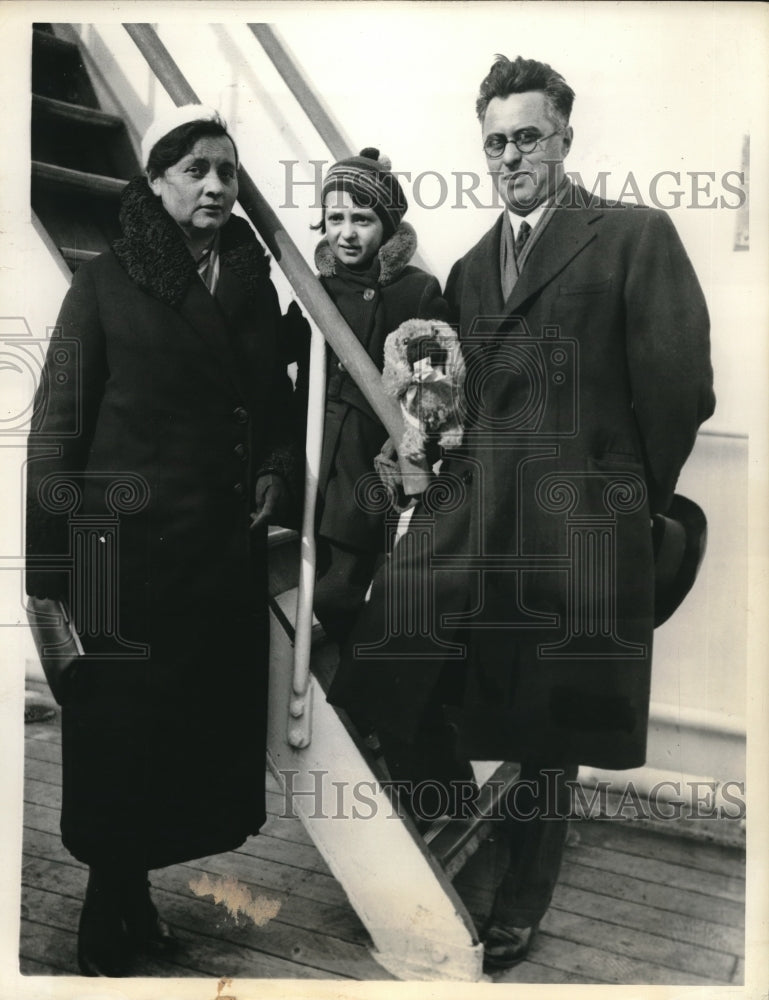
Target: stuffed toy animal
point(425, 371)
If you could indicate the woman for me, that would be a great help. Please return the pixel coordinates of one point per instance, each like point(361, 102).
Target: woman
point(169, 412)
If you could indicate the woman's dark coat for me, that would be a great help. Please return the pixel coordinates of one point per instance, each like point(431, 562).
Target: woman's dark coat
point(529, 568)
point(374, 304)
point(158, 408)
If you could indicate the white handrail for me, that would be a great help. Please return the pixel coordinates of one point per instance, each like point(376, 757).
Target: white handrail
point(342, 340)
point(299, 728)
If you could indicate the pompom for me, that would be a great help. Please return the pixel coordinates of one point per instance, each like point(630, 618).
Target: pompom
point(372, 153)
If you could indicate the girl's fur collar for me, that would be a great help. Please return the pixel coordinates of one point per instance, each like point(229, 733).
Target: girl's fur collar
point(394, 255)
point(154, 254)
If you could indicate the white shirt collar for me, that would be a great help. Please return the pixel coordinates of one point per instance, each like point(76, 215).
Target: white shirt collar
point(532, 218)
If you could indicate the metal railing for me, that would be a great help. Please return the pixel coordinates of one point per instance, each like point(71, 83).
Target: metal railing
point(343, 342)
point(278, 53)
point(313, 297)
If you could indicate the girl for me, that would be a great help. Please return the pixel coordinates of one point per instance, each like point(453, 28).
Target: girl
point(364, 266)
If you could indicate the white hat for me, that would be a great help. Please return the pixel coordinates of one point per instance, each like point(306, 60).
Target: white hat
point(169, 120)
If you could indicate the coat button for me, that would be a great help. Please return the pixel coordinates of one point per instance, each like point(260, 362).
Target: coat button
point(340, 366)
point(241, 414)
point(240, 451)
point(369, 294)
point(239, 489)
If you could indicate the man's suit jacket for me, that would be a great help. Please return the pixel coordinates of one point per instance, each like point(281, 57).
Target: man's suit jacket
point(584, 390)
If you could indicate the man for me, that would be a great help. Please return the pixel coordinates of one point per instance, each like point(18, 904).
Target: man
point(585, 334)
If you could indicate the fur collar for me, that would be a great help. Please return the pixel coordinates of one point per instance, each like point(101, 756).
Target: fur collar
point(155, 256)
point(393, 255)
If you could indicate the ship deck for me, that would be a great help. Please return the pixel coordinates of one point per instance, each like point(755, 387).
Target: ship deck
point(633, 905)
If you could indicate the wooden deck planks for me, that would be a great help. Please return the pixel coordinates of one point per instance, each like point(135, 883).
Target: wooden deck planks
point(199, 955)
point(698, 945)
point(696, 905)
point(713, 936)
point(307, 941)
point(264, 874)
point(195, 918)
point(637, 922)
point(29, 967)
point(632, 906)
point(284, 852)
point(296, 909)
point(42, 793)
point(710, 858)
point(596, 963)
point(663, 872)
point(681, 959)
point(39, 751)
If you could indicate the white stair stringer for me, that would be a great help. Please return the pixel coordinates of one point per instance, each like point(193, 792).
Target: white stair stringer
point(419, 926)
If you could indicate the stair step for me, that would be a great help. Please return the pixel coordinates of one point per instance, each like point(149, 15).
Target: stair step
point(74, 217)
point(51, 175)
point(280, 536)
point(283, 606)
point(50, 107)
point(284, 554)
point(453, 842)
point(45, 41)
point(75, 257)
point(58, 70)
point(80, 138)
point(81, 157)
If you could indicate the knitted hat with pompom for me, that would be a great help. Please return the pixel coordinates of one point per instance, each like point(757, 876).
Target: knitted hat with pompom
point(368, 179)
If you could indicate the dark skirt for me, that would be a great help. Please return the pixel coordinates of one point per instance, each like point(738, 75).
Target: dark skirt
point(164, 756)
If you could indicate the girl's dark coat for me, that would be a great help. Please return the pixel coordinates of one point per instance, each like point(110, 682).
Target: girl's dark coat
point(159, 406)
point(374, 306)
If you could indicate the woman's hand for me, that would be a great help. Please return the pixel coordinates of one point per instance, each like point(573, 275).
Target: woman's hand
point(269, 495)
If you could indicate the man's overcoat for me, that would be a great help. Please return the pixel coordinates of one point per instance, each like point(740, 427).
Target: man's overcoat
point(526, 577)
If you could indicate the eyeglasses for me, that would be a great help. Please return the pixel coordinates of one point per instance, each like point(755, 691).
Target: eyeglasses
point(495, 144)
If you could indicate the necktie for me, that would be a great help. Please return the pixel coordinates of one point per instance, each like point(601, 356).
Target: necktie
point(524, 230)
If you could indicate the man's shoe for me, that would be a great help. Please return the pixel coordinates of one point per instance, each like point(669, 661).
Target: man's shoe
point(504, 947)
